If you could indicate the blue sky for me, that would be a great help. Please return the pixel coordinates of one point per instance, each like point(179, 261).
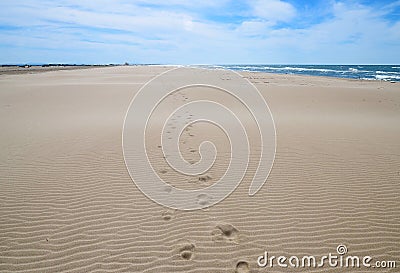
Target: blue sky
point(200, 31)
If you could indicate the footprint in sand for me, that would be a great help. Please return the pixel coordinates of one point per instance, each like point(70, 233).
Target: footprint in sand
point(167, 215)
point(226, 78)
point(205, 178)
point(225, 232)
point(168, 189)
point(204, 199)
point(186, 250)
point(242, 267)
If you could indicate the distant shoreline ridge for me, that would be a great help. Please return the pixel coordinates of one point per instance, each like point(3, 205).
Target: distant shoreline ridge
point(362, 72)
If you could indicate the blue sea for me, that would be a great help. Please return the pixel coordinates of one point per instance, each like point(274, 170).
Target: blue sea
point(365, 72)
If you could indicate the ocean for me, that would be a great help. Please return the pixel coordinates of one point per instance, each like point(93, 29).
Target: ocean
point(365, 72)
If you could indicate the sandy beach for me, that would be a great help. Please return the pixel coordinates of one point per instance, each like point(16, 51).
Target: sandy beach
point(68, 203)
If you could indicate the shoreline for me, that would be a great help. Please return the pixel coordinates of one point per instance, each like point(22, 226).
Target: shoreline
point(34, 69)
point(318, 76)
point(31, 69)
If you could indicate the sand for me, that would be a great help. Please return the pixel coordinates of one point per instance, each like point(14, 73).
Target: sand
point(68, 203)
point(30, 69)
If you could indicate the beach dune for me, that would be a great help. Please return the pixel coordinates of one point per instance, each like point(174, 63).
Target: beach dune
point(68, 203)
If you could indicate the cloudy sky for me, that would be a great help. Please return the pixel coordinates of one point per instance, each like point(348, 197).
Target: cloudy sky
point(200, 31)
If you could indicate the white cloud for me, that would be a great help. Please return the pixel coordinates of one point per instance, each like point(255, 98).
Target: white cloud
point(355, 34)
point(122, 30)
point(273, 10)
point(254, 28)
point(184, 3)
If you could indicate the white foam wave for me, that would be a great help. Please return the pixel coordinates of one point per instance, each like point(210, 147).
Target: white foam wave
point(387, 77)
point(243, 67)
point(387, 72)
point(310, 69)
point(300, 69)
point(341, 71)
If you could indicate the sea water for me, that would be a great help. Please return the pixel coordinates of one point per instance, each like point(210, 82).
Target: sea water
point(365, 72)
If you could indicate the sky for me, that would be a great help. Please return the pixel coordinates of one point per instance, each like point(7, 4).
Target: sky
point(200, 31)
